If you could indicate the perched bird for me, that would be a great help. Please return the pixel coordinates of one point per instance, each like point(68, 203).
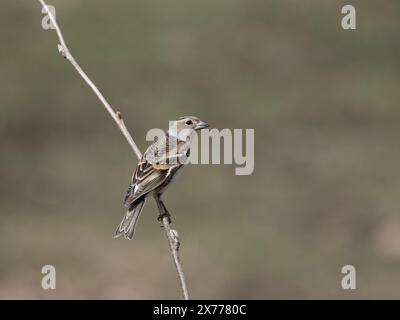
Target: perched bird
point(159, 165)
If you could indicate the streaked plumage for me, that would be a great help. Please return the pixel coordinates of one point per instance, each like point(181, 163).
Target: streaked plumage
point(159, 165)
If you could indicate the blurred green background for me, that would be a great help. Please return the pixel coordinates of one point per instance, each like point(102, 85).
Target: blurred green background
point(324, 103)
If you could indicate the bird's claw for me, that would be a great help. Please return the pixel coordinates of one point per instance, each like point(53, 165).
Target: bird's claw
point(166, 215)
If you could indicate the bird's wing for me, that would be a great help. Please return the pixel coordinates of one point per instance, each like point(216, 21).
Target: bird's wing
point(167, 150)
point(144, 180)
point(154, 168)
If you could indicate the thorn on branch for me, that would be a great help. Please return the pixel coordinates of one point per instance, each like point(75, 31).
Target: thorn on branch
point(62, 50)
point(119, 115)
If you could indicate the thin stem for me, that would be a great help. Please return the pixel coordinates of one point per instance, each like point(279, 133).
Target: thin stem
point(174, 243)
point(62, 47)
point(172, 235)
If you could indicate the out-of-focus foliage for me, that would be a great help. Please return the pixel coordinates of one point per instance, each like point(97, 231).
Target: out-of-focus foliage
point(324, 104)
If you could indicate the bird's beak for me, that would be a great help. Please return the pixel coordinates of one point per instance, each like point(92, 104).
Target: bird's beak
point(201, 125)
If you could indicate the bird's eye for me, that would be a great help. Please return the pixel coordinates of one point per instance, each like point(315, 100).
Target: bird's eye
point(189, 122)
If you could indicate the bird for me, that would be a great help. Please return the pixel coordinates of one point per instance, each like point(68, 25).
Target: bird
point(163, 160)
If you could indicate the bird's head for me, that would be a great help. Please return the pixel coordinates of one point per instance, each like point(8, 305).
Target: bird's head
point(185, 126)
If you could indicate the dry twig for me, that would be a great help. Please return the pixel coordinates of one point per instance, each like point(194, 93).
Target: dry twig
point(172, 235)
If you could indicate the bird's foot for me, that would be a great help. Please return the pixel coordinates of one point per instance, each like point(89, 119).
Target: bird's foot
point(164, 215)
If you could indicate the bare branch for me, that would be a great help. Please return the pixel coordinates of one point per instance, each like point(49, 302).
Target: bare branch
point(172, 235)
point(63, 49)
point(174, 244)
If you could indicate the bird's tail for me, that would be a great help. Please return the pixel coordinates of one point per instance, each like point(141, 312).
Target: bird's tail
point(128, 223)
